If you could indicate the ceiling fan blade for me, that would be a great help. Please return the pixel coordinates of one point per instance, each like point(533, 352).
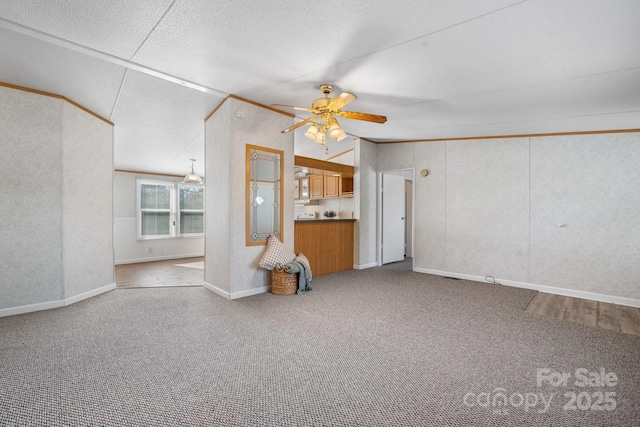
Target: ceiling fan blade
point(297, 125)
point(341, 100)
point(362, 116)
point(292, 107)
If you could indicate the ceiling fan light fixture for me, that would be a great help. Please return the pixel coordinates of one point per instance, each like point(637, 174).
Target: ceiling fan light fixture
point(325, 110)
point(192, 177)
point(312, 132)
point(334, 129)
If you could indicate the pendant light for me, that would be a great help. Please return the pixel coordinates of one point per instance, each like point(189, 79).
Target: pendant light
point(192, 177)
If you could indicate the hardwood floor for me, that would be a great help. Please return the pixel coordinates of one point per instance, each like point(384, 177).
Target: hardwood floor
point(174, 272)
point(612, 317)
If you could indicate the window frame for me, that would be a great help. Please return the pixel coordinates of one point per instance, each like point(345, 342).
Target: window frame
point(179, 210)
point(174, 209)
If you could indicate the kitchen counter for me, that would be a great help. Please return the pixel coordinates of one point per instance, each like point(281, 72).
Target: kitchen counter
point(327, 243)
point(325, 219)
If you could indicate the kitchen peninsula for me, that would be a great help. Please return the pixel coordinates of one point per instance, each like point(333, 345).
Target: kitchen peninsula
point(327, 243)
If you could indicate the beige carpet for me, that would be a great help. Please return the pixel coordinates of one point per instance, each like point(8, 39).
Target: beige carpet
point(377, 347)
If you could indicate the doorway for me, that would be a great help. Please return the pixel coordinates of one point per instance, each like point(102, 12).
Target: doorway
point(161, 274)
point(396, 214)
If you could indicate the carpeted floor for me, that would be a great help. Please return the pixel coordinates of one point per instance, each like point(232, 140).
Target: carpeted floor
point(377, 347)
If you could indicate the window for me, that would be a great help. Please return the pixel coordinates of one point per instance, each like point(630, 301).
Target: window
point(191, 210)
point(169, 209)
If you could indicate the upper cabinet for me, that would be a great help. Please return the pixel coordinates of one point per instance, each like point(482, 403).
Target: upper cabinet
point(346, 186)
point(328, 186)
point(324, 180)
point(316, 187)
point(304, 188)
point(296, 189)
point(331, 186)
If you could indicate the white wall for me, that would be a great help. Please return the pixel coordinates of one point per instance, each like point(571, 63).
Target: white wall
point(31, 194)
point(231, 267)
point(128, 249)
point(365, 187)
point(592, 185)
point(55, 168)
point(87, 237)
point(556, 213)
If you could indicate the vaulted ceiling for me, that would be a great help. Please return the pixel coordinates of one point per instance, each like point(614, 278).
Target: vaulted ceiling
point(435, 68)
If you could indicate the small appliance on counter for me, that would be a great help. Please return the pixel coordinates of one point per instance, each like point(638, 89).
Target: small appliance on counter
point(307, 215)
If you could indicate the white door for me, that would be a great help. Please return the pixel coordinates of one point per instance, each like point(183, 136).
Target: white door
point(393, 218)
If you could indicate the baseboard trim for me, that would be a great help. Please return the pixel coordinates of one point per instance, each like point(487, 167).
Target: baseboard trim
point(236, 295)
point(30, 308)
point(364, 266)
point(250, 292)
point(592, 296)
point(89, 294)
point(217, 290)
point(157, 258)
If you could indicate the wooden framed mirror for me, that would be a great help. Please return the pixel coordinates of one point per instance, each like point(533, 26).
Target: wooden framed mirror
point(265, 198)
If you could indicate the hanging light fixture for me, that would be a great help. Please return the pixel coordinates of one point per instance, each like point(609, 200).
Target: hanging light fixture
point(192, 177)
point(325, 110)
point(312, 132)
point(325, 124)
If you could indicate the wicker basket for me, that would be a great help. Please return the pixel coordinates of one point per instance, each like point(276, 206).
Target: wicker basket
point(283, 283)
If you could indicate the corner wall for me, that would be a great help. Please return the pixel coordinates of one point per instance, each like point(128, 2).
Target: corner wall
point(56, 164)
point(555, 213)
point(231, 267)
point(366, 207)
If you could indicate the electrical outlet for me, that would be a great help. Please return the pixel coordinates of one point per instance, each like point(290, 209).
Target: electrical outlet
point(465, 262)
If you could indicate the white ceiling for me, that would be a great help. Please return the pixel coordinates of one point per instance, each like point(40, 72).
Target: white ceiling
point(435, 68)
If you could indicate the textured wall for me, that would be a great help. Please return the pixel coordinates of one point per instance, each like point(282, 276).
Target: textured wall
point(430, 206)
point(590, 184)
point(56, 171)
point(31, 195)
point(558, 211)
point(231, 265)
point(87, 211)
point(487, 208)
point(218, 140)
point(365, 187)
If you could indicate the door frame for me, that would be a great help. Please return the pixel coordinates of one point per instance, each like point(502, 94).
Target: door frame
point(408, 173)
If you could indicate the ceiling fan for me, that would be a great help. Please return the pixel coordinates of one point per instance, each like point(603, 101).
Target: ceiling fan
point(325, 110)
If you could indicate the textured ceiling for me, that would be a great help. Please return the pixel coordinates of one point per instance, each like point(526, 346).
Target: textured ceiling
point(435, 68)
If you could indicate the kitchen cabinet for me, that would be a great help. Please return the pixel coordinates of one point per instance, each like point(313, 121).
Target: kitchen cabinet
point(316, 186)
point(304, 188)
point(331, 186)
point(327, 244)
point(346, 186)
point(296, 189)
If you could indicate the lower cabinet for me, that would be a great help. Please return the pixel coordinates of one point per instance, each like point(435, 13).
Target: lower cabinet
point(328, 244)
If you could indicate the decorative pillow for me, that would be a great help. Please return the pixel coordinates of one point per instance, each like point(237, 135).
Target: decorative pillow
point(275, 254)
point(304, 261)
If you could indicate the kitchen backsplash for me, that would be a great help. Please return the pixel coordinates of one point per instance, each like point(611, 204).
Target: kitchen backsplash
point(343, 207)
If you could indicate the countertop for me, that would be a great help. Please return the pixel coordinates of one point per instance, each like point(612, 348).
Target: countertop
point(325, 220)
